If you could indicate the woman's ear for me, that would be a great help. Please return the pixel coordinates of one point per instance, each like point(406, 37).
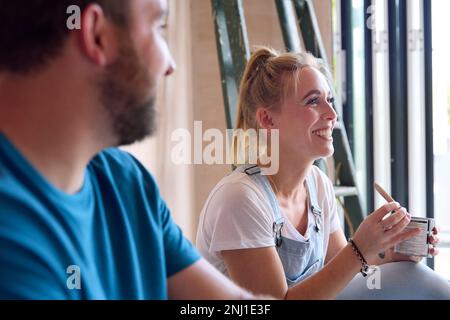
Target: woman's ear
point(264, 118)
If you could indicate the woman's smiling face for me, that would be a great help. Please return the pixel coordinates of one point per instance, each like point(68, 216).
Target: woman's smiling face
point(306, 118)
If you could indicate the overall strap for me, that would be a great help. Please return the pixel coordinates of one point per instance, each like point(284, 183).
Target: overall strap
point(314, 203)
point(255, 173)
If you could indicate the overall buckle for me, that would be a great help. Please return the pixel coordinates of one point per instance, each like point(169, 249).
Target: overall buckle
point(277, 233)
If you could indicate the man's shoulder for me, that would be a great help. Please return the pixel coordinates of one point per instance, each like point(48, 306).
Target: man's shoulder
point(119, 164)
point(114, 157)
point(121, 170)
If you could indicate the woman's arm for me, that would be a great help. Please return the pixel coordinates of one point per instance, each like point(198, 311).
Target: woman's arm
point(336, 243)
point(261, 271)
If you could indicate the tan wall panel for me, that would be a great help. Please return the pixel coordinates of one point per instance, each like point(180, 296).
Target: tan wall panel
point(262, 23)
point(324, 17)
point(207, 100)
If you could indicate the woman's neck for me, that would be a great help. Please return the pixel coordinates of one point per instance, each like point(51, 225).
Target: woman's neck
point(290, 179)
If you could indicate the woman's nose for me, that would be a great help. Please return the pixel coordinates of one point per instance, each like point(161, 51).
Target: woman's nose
point(330, 113)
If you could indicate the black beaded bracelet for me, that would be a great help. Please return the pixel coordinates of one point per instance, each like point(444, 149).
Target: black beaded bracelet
point(365, 266)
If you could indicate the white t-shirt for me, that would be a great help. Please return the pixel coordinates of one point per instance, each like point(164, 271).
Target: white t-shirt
point(238, 215)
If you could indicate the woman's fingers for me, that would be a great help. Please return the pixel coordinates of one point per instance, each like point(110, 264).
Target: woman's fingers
point(415, 258)
point(436, 230)
point(434, 240)
point(434, 251)
point(398, 227)
point(395, 218)
point(383, 211)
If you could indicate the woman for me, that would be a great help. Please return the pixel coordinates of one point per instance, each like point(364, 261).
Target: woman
point(280, 234)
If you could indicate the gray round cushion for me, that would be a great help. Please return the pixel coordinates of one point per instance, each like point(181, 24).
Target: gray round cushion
point(398, 281)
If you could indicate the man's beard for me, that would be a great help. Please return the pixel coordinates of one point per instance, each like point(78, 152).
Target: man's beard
point(128, 95)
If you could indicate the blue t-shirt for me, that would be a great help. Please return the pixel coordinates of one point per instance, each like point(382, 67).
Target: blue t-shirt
point(114, 239)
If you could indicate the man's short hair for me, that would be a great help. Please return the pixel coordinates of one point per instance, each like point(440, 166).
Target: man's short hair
point(32, 32)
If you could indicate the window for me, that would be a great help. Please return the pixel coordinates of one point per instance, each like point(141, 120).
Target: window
point(358, 99)
point(352, 69)
point(441, 129)
point(381, 98)
point(386, 80)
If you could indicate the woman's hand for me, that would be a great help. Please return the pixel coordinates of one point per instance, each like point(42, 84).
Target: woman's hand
point(434, 241)
point(391, 256)
point(377, 233)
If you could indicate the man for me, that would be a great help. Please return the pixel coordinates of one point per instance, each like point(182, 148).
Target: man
point(78, 220)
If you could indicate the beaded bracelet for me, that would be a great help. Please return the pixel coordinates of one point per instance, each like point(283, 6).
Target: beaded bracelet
point(365, 269)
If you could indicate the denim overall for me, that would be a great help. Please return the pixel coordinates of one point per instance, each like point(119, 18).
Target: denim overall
point(300, 259)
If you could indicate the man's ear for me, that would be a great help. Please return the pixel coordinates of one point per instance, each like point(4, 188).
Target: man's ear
point(264, 118)
point(97, 37)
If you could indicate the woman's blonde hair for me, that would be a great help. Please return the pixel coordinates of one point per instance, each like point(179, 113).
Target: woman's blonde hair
point(269, 78)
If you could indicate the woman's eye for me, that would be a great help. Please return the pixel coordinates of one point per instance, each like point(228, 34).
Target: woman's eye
point(331, 100)
point(313, 101)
